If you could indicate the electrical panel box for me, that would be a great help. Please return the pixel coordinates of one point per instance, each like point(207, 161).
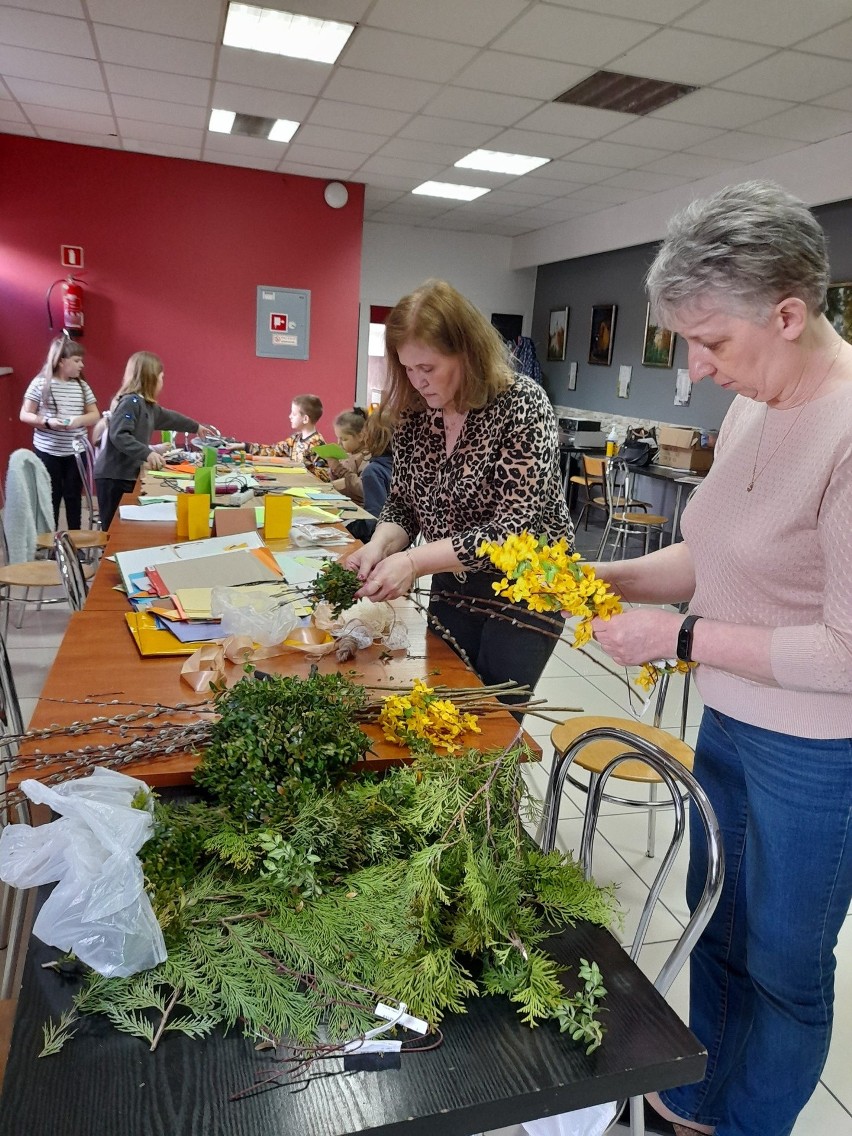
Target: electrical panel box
point(283, 322)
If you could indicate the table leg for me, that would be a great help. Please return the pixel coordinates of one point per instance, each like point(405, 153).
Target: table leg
point(676, 517)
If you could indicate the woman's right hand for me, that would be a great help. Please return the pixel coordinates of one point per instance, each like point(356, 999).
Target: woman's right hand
point(363, 560)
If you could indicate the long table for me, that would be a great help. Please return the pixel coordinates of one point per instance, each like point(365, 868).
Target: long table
point(490, 1070)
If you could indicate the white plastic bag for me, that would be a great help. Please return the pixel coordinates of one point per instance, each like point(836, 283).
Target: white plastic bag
point(591, 1121)
point(256, 612)
point(98, 909)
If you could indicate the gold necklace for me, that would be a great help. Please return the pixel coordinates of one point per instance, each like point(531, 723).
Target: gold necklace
point(755, 474)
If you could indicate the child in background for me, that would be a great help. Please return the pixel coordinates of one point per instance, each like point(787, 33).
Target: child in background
point(346, 472)
point(59, 404)
point(305, 412)
point(376, 441)
point(126, 446)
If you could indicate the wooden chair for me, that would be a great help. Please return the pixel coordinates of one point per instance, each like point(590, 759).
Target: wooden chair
point(623, 518)
point(29, 576)
point(592, 481)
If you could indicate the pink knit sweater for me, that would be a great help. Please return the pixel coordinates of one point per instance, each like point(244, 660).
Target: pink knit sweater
point(781, 556)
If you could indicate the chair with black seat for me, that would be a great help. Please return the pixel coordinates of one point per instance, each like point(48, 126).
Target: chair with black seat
point(623, 517)
point(594, 758)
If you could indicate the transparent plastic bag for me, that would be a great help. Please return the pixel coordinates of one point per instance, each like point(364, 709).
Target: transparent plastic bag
point(98, 909)
point(591, 1121)
point(258, 613)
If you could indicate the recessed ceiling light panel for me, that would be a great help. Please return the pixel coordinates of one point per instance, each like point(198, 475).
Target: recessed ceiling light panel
point(499, 162)
point(285, 33)
point(283, 130)
point(221, 121)
point(448, 189)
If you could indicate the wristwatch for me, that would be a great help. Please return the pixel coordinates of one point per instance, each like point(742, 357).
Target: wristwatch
point(684, 638)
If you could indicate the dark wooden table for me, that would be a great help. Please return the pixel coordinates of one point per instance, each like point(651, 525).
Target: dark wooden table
point(491, 1070)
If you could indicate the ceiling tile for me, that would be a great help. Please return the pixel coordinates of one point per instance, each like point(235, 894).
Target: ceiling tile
point(349, 11)
point(52, 94)
point(23, 128)
point(353, 141)
point(575, 121)
point(806, 124)
point(161, 149)
point(548, 32)
point(470, 23)
point(346, 116)
point(267, 104)
point(389, 181)
point(51, 68)
point(665, 135)
point(692, 166)
point(519, 197)
point(391, 92)
point(159, 52)
point(557, 174)
point(837, 42)
point(58, 7)
point(22, 28)
point(686, 57)
point(323, 156)
point(175, 88)
point(434, 129)
point(276, 72)
point(621, 157)
point(537, 145)
point(322, 173)
point(607, 194)
point(260, 148)
point(840, 100)
point(155, 110)
point(161, 132)
point(657, 11)
point(424, 151)
point(765, 23)
point(480, 106)
point(739, 147)
point(647, 180)
point(240, 160)
point(10, 111)
point(100, 124)
point(406, 168)
point(77, 137)
point(712, 107)
point(378, 198)
point(189, 20)
point(792, 74)
point(390, 53)
point(513, 75)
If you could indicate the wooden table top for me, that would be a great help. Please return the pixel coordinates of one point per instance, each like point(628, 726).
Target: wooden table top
point(98, 661)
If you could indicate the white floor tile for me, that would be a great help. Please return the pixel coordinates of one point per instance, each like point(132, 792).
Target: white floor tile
point(30, 666)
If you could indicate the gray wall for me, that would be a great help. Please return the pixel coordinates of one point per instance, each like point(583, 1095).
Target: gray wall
point(616, 278)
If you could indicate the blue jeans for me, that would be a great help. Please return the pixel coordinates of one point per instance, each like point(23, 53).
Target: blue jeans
point(762, 974)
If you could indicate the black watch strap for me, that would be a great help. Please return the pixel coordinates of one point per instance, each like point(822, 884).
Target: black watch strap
point(684, 638)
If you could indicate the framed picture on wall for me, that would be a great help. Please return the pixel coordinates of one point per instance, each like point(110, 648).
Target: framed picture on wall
point(838, 309)
point(602, 334)
point(557, 334)
point(659, 344)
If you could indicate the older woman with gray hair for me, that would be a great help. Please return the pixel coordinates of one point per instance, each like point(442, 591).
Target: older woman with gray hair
point(766, 565)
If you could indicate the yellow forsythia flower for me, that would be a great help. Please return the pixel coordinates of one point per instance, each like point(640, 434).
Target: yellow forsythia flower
point(424, 714)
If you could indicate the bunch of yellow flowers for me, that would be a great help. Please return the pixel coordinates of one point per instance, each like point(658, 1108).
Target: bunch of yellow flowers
point(549, 577)
point(422, 714)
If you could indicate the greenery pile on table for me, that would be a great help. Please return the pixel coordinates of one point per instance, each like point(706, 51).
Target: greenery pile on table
point(299, 894)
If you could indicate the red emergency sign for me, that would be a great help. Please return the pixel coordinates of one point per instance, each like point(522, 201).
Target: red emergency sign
point(277, 321)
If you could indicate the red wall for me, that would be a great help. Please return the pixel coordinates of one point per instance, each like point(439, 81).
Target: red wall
point(174, 251)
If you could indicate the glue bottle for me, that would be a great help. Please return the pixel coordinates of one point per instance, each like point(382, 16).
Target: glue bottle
point(612, 443)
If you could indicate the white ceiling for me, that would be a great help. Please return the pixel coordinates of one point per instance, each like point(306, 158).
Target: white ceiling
point(422, 82)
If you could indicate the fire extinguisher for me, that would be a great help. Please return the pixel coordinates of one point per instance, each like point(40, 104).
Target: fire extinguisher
point(72, 305)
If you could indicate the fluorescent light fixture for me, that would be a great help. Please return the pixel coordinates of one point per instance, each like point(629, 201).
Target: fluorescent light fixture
point(285, 33)
point(448, 189)
point(283, 130)
point(221, 121)
point(500, 163)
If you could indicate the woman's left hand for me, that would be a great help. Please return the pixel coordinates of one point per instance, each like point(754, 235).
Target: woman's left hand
point(638, 636)
point(389, 579)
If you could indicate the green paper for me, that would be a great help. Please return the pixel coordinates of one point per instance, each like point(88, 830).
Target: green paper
point(205, 479)
point(209, 456)
point(331, 450)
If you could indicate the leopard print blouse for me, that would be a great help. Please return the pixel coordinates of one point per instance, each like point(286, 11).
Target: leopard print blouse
point(502, 476)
